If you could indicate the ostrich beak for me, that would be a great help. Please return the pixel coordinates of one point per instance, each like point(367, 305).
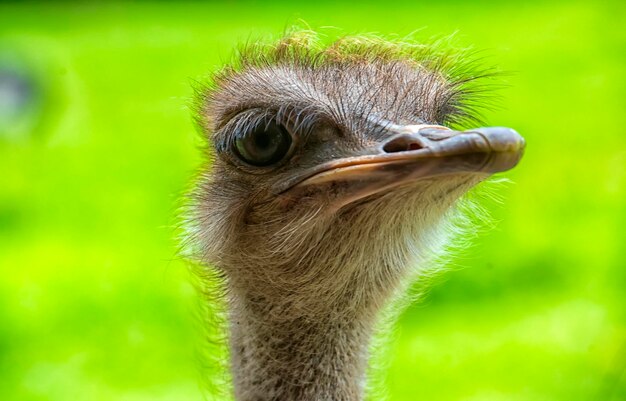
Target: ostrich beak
point(415, 152)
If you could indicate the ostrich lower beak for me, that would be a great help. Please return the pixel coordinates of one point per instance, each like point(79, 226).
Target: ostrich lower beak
point(416, 152)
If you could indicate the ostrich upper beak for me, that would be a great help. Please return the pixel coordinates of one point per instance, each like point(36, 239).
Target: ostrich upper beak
point(415, 152)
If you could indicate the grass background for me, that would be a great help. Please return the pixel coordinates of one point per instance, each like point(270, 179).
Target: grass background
point(95, 304)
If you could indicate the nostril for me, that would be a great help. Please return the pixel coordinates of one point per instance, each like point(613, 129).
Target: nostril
point(414, 146)
point(402, 144)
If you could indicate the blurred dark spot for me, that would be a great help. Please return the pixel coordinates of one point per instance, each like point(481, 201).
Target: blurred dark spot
point(15, 93)
point(19, 100)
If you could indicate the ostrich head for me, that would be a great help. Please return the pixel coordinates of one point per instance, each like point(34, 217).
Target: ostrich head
point(332, 171)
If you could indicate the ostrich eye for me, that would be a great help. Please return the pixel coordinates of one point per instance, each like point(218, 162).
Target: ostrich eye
point(264, 145)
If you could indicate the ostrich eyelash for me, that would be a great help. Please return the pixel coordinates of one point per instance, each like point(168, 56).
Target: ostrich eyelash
point(300, 122)
point(239, 125)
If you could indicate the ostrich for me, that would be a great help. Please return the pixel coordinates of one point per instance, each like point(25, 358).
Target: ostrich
point(333, 175)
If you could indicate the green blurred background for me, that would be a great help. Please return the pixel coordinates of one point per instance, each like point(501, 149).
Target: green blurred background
point(97, 146)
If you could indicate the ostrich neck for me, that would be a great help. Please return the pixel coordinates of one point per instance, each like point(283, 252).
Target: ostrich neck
point(301, 331)
point(283, 351)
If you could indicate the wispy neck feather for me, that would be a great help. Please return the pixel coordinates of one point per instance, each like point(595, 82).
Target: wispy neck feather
point(302, 358)
point(284, 349)
point(309, 340)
